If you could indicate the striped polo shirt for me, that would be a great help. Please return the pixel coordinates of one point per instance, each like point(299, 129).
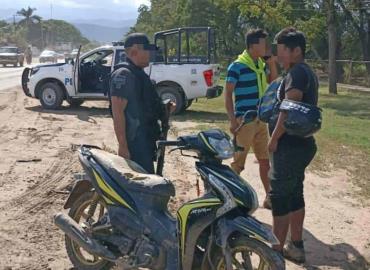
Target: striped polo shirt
point(246, 87)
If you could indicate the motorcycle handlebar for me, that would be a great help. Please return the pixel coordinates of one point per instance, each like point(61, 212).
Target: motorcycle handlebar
point(169, 143)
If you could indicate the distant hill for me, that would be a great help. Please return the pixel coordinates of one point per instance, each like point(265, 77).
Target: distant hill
point(102, 33)
point(7, 15)
point(104, 30)
point(101, 30)
point(106, 22)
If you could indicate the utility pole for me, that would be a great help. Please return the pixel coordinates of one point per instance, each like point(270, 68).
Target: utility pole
point(42, 37)
point(332, 47)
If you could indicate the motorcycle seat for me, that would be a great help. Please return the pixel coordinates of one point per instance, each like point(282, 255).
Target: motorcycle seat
point(132, 176)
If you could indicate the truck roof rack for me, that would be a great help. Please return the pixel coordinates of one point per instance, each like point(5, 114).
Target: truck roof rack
point(118, 43)
point(175, 30)
point(183, 54)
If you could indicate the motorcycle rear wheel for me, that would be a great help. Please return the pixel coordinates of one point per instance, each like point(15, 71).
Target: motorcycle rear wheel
point(248, 253)
point(80, 258)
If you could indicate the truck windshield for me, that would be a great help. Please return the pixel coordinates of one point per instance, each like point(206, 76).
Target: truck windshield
point(8, 50)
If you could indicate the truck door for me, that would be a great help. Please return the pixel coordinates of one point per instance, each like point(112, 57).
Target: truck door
point(94, 71)
point(76, 71)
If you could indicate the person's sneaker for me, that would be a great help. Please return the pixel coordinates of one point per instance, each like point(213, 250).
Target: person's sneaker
point(267, 202)
point(293, 253)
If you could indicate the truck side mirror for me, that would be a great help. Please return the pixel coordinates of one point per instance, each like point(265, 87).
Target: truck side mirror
point(69, 61)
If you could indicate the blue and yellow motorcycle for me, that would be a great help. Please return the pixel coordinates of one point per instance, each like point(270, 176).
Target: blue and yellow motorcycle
point(118, 215)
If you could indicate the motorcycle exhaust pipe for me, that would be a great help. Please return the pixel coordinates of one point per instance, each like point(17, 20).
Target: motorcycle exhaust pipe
point(77, 234)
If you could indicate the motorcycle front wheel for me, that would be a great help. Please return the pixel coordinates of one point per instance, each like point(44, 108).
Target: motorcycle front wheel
point(87, 209)
point(248, 253)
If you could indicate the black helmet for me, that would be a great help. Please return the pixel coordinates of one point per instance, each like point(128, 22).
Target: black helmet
point(302, 119)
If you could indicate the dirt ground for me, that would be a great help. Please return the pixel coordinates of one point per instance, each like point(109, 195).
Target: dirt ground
point(37, 164)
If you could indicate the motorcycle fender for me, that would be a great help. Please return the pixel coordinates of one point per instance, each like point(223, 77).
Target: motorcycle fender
point(79, 188)
point(248, 226)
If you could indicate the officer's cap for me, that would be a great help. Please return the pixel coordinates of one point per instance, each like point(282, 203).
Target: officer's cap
point(140, 39)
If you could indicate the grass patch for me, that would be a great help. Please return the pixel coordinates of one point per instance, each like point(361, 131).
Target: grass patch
point(343, 142)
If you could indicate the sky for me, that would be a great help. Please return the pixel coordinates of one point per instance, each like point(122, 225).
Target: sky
point(73, 10)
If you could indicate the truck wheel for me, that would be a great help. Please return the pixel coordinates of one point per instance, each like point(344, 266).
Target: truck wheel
point(51, 96)
point(174, 94)
point(75, 103)
point(188, 103)
point(16, 64)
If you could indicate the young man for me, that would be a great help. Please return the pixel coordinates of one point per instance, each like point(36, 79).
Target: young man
point(290, 155)
point(136, 106)
point(246, 81)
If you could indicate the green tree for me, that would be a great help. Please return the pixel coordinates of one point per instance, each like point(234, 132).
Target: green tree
point(233, 18)
point(159, 16)
point(61, 31)
point(358, 16)
point(3, 24)
point(29, 17)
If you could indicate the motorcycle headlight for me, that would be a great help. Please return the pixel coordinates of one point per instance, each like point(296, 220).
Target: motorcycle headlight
point(223, 147)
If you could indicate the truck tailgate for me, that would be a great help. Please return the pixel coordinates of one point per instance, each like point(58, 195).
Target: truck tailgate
point(216, 73)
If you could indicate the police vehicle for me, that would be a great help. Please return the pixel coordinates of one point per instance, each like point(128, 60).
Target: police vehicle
point(184, 68)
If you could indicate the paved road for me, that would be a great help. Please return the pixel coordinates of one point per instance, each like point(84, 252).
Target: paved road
point(10, 78)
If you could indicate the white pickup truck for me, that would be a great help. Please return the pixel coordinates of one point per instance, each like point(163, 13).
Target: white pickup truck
point(181, 72)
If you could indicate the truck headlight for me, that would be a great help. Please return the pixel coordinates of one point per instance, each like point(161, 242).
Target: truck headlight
point(34, 70)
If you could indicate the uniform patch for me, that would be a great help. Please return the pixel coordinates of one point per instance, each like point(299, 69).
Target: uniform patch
point(119, 81)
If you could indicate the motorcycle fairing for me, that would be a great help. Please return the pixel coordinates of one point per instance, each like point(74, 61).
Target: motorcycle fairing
point(193, 217)
point(244, 194)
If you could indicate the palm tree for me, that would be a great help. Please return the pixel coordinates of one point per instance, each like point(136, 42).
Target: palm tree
point(29, 18)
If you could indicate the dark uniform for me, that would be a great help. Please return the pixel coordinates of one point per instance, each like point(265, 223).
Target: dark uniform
point(144, 109)
point(293, 154)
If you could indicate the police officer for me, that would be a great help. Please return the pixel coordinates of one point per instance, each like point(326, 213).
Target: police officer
point(136, 106)
point(28, 54)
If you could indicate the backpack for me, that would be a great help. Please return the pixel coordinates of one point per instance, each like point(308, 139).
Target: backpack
point(268, 103)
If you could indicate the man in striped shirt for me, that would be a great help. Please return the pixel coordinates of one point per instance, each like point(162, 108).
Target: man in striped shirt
point(246, 81)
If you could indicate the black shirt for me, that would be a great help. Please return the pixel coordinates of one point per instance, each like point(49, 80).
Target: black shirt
point(124, 85)
point(302, 78)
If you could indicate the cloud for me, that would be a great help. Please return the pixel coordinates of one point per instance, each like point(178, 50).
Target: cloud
point(72, 4)
point(135, 3)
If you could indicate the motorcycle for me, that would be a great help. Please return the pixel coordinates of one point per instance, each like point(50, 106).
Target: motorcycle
point(118, 214)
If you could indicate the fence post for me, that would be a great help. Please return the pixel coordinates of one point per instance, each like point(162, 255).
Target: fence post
point(349, 79)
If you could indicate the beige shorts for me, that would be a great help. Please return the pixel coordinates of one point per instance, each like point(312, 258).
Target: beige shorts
point(255, 135)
